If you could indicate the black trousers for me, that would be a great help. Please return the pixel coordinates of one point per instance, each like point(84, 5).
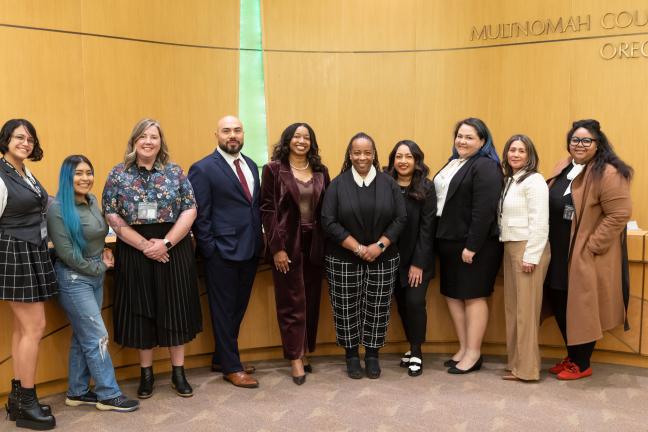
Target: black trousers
point(412, 310)
point(229, 284)
point(579, 354)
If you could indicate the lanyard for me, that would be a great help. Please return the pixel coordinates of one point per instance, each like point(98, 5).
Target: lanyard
point(28, 176)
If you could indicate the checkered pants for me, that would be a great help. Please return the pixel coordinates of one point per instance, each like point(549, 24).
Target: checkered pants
point(361, 298)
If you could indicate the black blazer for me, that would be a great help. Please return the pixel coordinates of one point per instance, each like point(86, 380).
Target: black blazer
point(470, 209)
point(341, 215)
point(416, 244)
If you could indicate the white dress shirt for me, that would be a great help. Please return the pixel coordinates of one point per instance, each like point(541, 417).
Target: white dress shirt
point(247, 172)
point(524, 214)
point(442, 181)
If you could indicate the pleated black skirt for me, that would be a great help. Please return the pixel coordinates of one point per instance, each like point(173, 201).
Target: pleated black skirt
point(468, 281)
point(26, 271)
point(155, 304)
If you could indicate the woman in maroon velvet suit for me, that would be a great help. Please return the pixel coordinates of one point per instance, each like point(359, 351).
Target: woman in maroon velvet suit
point(291, 198)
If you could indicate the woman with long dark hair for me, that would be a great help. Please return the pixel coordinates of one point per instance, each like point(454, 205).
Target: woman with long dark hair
point(416, 246)
point(524, 227)
point(468, 189)
point(78, 230)
point(363, 215)
point(31, 279)
point(292, 192)
point(589, 206)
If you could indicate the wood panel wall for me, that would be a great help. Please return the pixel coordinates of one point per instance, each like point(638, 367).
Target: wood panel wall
point(85, 71)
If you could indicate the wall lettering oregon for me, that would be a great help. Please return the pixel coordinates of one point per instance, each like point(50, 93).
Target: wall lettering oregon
point(636, 20)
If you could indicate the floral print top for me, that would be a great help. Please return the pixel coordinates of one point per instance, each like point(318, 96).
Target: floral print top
point(167, 186)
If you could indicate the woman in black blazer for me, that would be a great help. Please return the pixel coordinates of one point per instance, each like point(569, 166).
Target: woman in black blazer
point(468, 189)
point(363, 214)
point(416, 246)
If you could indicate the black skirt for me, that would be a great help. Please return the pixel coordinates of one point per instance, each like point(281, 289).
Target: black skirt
point(155, 304)
point(468, 281)
point(26, 271)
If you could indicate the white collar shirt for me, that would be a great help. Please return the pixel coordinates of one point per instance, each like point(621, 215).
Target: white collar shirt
point(247, 172)
point(366, 181)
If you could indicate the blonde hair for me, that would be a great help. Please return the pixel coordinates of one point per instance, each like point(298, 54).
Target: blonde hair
point(130, 156)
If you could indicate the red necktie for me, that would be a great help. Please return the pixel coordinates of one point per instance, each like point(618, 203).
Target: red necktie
point(241, 176)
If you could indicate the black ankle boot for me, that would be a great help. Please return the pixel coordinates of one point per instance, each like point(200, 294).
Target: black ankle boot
point(145, 389)
point(179, 382)
point(29, 414)
point(12, 402)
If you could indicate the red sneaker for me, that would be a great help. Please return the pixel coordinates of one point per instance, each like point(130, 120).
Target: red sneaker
point(573, 372)
point(559, 367)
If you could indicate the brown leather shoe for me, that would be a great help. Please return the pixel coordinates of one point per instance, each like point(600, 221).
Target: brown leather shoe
point(241, 379)
point(248, 369)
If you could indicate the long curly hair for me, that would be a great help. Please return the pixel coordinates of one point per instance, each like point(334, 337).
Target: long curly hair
point(604, 151)
point(421, 170)
point(346, 165)
point(281, 150)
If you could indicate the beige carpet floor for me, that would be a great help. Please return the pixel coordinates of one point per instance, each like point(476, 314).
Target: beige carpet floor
point(615, 398)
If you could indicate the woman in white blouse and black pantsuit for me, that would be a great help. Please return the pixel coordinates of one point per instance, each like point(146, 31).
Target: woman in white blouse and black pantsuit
point(524, 228)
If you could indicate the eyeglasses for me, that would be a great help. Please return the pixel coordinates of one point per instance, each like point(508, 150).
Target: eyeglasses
point(23, 138)
point(585, 142)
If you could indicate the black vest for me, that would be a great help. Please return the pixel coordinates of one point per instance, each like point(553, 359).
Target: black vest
point(25, 210)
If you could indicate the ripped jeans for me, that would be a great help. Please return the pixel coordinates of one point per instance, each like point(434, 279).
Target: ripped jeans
point(81, 296)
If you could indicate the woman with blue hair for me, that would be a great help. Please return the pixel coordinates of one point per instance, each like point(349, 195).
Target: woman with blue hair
point(77, 229)
point(468, 189)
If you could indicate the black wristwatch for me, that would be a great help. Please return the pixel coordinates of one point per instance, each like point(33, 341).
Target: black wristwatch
point(168, 244)
point(381, 245)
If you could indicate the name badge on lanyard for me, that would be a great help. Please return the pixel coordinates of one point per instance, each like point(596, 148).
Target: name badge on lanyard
point(43, 229)
point(147, 210)
point(568, 212)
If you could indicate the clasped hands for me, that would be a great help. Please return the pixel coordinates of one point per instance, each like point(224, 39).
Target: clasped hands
point(155, 249)
point(368, 253)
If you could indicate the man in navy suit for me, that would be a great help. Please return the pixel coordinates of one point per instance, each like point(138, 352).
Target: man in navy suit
point(228, 234)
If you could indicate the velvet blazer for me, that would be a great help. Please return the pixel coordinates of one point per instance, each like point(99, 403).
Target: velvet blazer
point(281, 216)
point(342, 217)
point(470, 209)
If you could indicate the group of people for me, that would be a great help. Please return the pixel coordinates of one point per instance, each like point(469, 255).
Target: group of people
point(373, 232)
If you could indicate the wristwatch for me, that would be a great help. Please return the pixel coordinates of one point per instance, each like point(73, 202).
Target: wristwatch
point(168, 244)
point(381, 245)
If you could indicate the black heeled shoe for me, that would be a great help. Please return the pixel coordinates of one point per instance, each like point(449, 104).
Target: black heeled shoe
point(12, 401)
point(354, 369)
point(405, 359)
point(450, 363)
point(179, 382)
point(456, 371)
point(29, 413)
point(299, 380)
point(147, 379)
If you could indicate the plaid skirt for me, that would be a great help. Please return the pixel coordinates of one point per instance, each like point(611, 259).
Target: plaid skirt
point(26, 271)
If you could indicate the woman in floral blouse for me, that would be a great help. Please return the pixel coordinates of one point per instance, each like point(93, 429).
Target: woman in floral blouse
point(150, 205)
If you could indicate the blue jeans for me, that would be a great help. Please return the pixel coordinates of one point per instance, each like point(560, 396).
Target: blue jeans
point(81, 297)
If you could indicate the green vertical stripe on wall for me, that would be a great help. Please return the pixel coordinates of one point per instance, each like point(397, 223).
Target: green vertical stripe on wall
point(252, 107)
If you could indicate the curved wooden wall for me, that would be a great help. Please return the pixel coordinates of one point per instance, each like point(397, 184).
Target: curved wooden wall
point(84, 71)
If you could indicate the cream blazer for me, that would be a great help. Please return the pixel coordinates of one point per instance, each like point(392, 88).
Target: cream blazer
point(524, 214)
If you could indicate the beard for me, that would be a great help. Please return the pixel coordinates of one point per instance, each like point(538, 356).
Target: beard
point(231, 147)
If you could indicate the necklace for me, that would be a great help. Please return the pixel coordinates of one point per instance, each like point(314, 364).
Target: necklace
point(300, 169)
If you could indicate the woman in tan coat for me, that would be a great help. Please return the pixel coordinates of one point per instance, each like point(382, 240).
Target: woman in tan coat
point(589, 206)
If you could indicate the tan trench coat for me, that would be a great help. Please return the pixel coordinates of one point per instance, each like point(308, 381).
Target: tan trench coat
point(595, 300)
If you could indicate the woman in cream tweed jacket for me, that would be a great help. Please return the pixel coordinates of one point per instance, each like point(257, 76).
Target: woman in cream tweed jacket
point(524, 228)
